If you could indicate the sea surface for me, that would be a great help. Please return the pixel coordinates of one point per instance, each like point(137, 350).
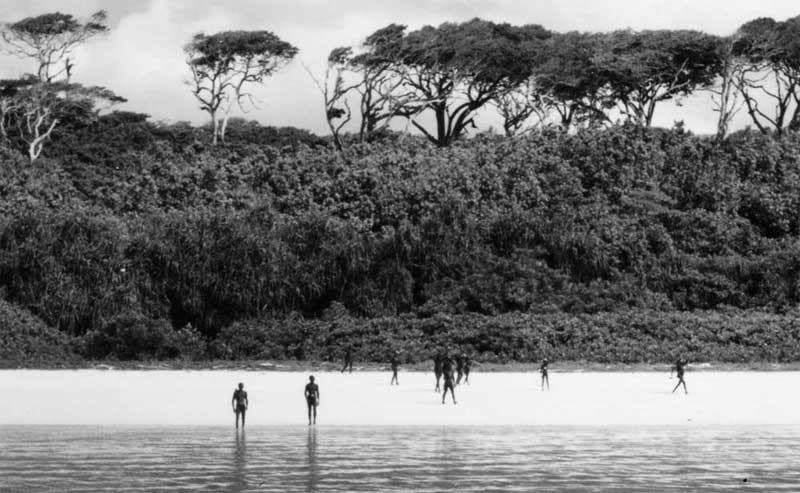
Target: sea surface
point(401, 458)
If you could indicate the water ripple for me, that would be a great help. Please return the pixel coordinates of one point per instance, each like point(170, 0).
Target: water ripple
point(419, 459)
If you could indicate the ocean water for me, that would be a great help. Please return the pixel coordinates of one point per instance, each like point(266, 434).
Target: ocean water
point(394, 458)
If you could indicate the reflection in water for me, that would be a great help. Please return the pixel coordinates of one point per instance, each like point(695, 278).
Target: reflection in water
point(239, 482)
point(311, 453)
point(418, 459)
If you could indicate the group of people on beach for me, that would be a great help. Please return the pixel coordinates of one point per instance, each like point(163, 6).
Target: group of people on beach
point(451, 369)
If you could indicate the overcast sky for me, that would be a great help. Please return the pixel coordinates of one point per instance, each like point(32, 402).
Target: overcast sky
point(142, 59)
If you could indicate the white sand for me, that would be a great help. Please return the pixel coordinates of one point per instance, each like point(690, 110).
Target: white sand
point(97, 397)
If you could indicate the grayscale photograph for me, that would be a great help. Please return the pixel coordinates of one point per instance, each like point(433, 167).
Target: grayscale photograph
point(516, 245)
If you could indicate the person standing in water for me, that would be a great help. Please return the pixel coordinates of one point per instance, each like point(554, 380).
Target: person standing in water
point(467, 365)
point(678, 368)
point(348, 359)
point(395, 365)
point(449, 380)
point(543, 371)
point(239, 403)
point(437, 369)
point(312, 399)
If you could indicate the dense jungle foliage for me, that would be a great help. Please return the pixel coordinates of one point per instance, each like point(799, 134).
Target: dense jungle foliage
point(135, 240)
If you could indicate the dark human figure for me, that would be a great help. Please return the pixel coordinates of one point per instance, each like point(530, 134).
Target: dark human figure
point(312, 399)
point(449, 380)
point(348, 359)
point(437, 369)
point(395, 365)
point(459, 368)
point(239, 403)
point(543, 371)
point(467, 366)
point(678, 368)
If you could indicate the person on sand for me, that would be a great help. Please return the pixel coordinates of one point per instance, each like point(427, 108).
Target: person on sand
point(312, 399)
point(678, 368)
point(543, 371)
point(459, 368)
point(449, 380)
point(395, 365)
point(348, 359)
point(437, 369)
point(467, 366)
point(239, 403)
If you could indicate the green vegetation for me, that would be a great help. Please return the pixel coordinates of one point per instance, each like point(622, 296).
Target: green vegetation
point(636, 243)
point(126, 239)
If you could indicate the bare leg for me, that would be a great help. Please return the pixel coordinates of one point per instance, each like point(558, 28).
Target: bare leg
point(680, 381)
point(309, 414)
point(453, 394)
point(315, 414)
point(243, 414)
point(437, 389)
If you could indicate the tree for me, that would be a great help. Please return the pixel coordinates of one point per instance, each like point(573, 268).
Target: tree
point(725, 94)
point(335, 91)
point(50, 39)
point(770, 52)
point(225, 63)
point(456, 69)
point(568, 80)
point(32, 109)
point(381, 90)
point(517, 104)
point(648, 67)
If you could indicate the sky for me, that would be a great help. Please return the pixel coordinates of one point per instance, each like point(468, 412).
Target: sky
point(142, 59)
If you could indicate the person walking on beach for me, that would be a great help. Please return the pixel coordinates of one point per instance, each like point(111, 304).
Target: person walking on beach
point(239, 403)
point(678, 368)
point(312, 399)
point(395, 365)
point(348, 359)
point(467, 365)
point(437, 369)
point(449, 380)
point(459, 367)
point(543, 371)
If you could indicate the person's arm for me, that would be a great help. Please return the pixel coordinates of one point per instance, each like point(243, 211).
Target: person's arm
point(233, 401)
point(317, 392)
point(246, 401)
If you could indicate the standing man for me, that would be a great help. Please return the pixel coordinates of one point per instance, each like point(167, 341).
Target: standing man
point(348, 359)
point(437, 368)
point(239, 403)
point(449, 380)
point(678, 368)
point(467, 366)
point(543, 371)
point(395, 365)
point(312, 399)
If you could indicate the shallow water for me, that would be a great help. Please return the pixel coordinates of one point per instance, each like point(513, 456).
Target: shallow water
point(381, 458)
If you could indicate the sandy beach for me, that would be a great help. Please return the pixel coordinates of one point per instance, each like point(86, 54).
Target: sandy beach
point(96, 397)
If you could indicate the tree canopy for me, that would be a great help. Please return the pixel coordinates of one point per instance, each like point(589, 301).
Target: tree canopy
point(50, 38)
point(225, 63)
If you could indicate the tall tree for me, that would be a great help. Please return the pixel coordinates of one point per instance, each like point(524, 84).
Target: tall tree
point(725, 95)
point(770, 51)
point(645, 68)
point(50, 39)
point(335, 91)
point(382, 93)
point(224, 64)
point(456, 69)
point(569, 81)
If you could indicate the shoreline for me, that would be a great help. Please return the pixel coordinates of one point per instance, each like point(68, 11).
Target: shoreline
point(306, 366)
